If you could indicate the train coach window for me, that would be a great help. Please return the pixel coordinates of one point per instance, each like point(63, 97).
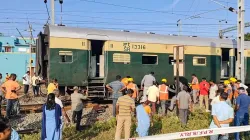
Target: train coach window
point(121, 58)
point(199, 61)
point(150, 59)
point(66, 56)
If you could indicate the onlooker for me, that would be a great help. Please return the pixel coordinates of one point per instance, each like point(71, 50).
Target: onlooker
point(146, 82)
point(64, 113)
point(242, 85)
point(242, 111)
point(133, 86)
point(1, 93)
point(153, 96)
point(195, 88)
point(216, 99)
point(222, 116)
point(143, 115)
point(26, 82)
point(163, 88)
point(35, 86)
point(116, 87)
point(212, 91)
point(124, 108)
point(6, 132)
point(184, 103)
point(51, 119)
point(77, 107)
point(10, 89)
point(52, 86)
point(204, 89)
point(125, 80)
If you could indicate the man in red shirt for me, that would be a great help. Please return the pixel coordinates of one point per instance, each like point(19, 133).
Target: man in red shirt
point(204, 89)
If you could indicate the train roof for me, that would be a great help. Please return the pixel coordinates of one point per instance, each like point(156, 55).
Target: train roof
point(97, 34)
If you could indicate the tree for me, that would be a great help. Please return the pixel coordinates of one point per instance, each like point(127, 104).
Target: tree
point(247, 37)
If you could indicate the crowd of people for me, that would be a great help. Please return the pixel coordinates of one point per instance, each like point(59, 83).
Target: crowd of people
point(210, 97)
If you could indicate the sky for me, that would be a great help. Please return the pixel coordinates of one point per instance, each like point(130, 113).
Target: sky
point(202, 18)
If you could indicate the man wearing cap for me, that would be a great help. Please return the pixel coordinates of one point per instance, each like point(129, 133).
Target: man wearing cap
point(163, 88)
point(116, 87)
point(242, 113)
point(133, 86)
point(146, 82)
point(77, 107)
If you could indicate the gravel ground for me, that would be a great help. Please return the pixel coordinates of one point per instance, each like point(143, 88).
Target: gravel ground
point(33, 121)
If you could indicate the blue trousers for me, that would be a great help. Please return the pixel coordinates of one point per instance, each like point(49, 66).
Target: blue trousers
point(114, 106)
point(10, 106)
point(241, 120)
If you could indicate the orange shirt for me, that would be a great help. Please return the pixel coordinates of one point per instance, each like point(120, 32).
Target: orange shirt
point(195, 83)
point(10, 85)
point(163, 92)
point(133, 87)
point(147, 109)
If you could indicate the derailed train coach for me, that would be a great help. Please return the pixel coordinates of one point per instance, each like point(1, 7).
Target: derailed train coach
point(92, 58)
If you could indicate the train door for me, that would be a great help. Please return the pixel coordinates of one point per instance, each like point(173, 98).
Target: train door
point(225, 69)
point(96, 58)
point(180, 53)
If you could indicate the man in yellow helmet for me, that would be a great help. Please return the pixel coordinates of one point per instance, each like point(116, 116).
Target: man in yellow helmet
point(228, 88)
point(235, 87)
point(163, 88)
point(133, 86)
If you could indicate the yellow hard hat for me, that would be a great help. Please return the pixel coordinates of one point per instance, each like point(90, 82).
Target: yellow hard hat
point(226, 82)
point(130, 79)
point(232, 79)
point(164, 80)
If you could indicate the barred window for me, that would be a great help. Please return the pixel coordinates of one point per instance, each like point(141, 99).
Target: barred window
point(66, 56)
point(121, 58)
point(199, 61)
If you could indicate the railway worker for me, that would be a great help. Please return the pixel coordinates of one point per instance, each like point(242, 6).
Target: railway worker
point(144, 117)
point(153, 96)
point(26, 82)
point(124, 108)
point(10, 89)
point(195, 88)
point(1, 93)
point(204, 89)
point(242, 113)
point(52, 86)
point(77, 107)
point(125, 80)
point(6, 132)
point(133, 86)
point(235, 87)
point(212, 92)
point(163, 88)
point(223, 115)
point(35, 86)
point(116, 87)
point(184, 103)
point(228, 89)
point(146, 82)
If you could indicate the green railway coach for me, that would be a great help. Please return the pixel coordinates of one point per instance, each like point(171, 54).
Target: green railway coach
point(92, 58)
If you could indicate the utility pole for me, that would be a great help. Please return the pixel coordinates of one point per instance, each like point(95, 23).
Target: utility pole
point(179, 25)
point(240, 41)
point(177, 75)
point(30, 45)
point(52, 12)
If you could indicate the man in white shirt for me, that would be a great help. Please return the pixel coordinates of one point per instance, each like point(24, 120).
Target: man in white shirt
point(242, 85)
point(26, 82)
point(153, 96)
point(35, 86)
point(146, 82)
point(212, 92)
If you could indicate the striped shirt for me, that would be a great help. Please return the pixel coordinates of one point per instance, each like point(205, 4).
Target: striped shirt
point(125, 104)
